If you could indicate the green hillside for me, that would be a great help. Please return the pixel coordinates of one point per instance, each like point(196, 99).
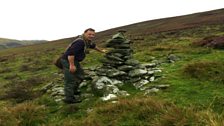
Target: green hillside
point(194, 72)
point(11, 43)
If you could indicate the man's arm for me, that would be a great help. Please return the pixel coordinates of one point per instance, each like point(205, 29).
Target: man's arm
point(71, 60)
point(100, 50)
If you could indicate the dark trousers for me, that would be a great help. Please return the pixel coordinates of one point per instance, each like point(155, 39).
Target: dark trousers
point(71, 80)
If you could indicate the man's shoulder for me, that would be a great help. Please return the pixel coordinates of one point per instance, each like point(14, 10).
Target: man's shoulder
point(78, 42)
point(79, 39)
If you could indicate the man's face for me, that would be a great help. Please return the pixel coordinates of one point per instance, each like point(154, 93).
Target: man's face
point(89, 35)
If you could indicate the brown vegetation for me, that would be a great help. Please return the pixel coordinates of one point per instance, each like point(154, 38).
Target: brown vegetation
point(216, 42)
point(206, 70)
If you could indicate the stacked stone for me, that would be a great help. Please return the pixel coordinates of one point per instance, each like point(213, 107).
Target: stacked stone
point(118, 62)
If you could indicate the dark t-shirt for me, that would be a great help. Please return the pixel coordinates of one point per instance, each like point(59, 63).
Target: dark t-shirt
point(77, 49)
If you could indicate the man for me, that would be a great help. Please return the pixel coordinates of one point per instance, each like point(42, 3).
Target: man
point(73, 72)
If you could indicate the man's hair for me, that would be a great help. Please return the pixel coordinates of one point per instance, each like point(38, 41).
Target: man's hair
point(89, 29)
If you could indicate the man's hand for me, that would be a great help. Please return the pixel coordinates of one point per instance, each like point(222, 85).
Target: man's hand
point(104, 51)
point(72, 68)
point(100, 50)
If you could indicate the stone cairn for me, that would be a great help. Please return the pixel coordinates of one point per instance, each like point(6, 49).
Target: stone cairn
point(118, 68)
point(119, 63)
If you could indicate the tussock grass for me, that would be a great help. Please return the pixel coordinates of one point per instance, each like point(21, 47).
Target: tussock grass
point(5, 70)
point(22, 90)
point(12, 76)
point(24, 114)
point(147, 111)
point(206, 70)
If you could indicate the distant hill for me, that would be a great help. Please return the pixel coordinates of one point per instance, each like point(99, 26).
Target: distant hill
point(141, 29)
point(10, 43)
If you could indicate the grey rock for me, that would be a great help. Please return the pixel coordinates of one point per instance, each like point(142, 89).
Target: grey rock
point(157, 62)
point(140, 84)
point(90, 72)
point(89, 89)
point(172, 58)
point(99, 85)
point(117, 82)
point(111, 62)
point(118, 55)
point(86, 95)
point(140, 66)
point(162, 86)
point(112, 89)
point(122, 46)
point(132, 62)
point(91, 68)
point(56, 89)
point(125, 68)
point(127, 42)
point(133, 80)
point(118, 36)
point(58, 100)
point(137, 72)
point(157, 70)
point(121, 51)
point(112, 42)
point(151, 91)
point(109, 97)
point(149, 65)
point(101, 72)
point(115, 73)
point(114, 102)
point(83, 84)
point(123, 93)
point(112, 57)
point(89, 110)
point(152, 79)
point(101, 82)
point(150, 72)
point(127, 57)
point(47, 87)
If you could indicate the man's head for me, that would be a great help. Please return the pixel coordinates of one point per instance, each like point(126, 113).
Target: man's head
point(89, 34)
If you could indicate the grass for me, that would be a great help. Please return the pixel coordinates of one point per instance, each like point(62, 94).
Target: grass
point(146, 111)
point(195, 96)
point(206, 70)
point(24, 114)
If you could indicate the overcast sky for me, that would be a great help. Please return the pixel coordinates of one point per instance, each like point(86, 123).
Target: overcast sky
point(56, 19)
